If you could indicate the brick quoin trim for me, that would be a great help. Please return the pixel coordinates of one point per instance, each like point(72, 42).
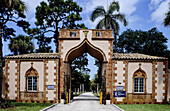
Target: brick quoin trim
point(165, 63)
point(61, 78)
point(56, 81)
point(45, 79)
point(125, 81)
point(154, 82)
point(17, 80)
point(7, 78)
point(109, 70)
point(114, 80)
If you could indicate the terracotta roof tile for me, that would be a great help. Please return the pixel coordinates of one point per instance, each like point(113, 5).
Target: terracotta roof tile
point(34, 56)
point(136, 56)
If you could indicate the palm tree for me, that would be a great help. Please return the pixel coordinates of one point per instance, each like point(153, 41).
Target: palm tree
point(21, 45)
point(110, 18)
point(8, 11)
point(167, 18)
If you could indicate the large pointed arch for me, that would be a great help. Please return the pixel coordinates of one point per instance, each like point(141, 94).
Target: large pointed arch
point(83, 47)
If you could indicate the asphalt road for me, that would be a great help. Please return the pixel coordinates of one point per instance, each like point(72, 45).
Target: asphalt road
point(84, 102)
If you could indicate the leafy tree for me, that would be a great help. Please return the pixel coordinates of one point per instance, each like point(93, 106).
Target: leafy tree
point(10, 11)
point(151, 42)
point(87, 82)
point(80, 72)
point(167, 18)
point(97, 78)
point(76, 79)
point(54, 15)
point(80, 63)
point(93, 85)
point(21, 45)
point(110, 18)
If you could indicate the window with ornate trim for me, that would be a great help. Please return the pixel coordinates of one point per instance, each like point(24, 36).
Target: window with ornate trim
point(139, 81)
point(31, 83)
point(31, 79)
point(139, 85)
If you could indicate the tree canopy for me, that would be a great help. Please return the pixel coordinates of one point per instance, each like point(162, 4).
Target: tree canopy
point(110, 18)
point(167, 18)
point(21, 45)
point(151, 42)
point(10, 11)
point(80, 72)
point(54, 15)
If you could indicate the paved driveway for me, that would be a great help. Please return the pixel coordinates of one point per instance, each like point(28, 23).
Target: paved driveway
point(84, 102)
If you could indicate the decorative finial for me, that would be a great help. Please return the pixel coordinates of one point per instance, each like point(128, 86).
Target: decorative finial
point(140, 65)
point(31, 64)
point(85, 33)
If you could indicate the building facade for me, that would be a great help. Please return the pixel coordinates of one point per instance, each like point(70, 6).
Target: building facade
point(128, 78)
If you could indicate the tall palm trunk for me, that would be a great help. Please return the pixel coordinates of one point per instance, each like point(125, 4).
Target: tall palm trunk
point(1, 67)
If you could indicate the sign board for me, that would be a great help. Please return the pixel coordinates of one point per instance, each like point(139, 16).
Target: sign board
point(119, 93)
point(119, 88)
point(50, 87)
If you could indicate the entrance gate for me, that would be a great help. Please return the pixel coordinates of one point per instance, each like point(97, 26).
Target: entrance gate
point(73, 43)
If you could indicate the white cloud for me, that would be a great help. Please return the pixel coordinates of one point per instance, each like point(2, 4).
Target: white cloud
point(126, 7)
point(159, 13)
point(154, 4)
point(30, 14)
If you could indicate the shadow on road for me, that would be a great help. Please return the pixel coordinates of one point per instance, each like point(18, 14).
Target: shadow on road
point(83, 99)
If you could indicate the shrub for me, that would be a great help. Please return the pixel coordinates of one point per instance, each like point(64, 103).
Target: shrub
point(32, 101)
point(5, 103)
point(63, 96)
point(44, 101)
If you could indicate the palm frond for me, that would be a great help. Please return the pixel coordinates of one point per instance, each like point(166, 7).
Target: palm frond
point(23, 5)
point(115, 27)
point(167, 19)
point(99, 11)
point(114, 6)
point(101, 24)
point(121, 18)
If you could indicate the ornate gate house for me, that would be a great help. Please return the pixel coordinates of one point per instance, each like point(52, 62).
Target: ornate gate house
point(128, 77)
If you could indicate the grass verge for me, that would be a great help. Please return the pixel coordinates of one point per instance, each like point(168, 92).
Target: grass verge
point(145, 107)
point(17, 106)
point(95, 94)
point(77, 94)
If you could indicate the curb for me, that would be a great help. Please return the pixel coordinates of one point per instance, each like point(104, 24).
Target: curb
point(118, 107)
point(45, 109)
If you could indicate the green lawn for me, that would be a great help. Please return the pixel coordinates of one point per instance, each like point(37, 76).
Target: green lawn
point(27, 106)
point(145, 107)
point(95, 94)
point(77, 94)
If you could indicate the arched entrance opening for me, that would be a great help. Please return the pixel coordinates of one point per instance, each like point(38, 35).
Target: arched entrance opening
point(79, 50)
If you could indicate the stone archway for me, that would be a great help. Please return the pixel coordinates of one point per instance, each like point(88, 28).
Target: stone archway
point(73, 43)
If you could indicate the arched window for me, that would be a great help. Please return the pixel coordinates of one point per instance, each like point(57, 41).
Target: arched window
point(31, 79)
point(139, 81)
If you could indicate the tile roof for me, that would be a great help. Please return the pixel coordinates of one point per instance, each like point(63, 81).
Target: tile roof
point(136, 56)
point(35, 56)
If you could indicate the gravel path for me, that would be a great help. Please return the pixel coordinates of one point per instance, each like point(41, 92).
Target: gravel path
point(84, 102)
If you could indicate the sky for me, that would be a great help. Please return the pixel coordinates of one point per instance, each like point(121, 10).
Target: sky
point(141, 14)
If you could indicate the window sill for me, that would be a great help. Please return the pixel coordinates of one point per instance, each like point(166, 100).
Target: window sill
point(32, 91)
point(140, 93)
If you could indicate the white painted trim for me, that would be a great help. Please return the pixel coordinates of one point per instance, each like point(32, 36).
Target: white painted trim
point(45, 109)
point(118, 107)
